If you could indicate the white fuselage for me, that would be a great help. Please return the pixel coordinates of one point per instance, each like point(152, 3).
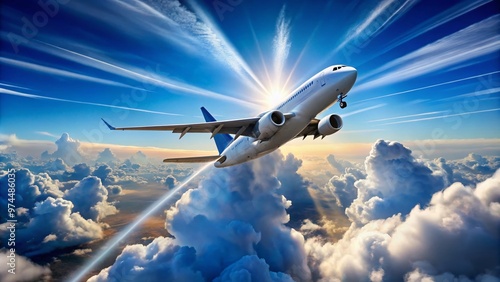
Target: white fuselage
point(313, 97)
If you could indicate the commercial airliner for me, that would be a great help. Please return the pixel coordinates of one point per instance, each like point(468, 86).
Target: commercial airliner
point(255, 137)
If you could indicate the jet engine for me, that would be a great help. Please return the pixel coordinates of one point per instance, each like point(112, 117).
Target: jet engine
point(268, 124)
point(329, 124)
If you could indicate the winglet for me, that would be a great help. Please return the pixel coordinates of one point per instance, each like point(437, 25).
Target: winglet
point(109, 125)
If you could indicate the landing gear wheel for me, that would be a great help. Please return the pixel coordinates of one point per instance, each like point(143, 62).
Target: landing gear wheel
point(343, 104)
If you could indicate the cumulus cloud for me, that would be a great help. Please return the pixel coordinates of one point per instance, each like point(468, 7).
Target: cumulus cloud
point(339, 165)
point(460, 223)
point(129, 166)
point(103, 172)
point(295, 189)
point(53, 225)
point(234, 225)
point(56, 165)
point(30, 188)
point(81, 252)
point(89, 197)
point(106, 156)
point(428, 230)
point(170, 182)
point(25, 270)
point(139, 158)
point(161, 260)
point(251, 268)
point(114, 189)
point(395, 183)
point(68, 150)
point(342, 187)
point(79, 171)
point(470, 170)
point(48, 218)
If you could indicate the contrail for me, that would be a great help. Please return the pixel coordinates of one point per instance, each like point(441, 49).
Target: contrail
point(33, 96)
point(443, 116)
point(123, 234)
point(408, 116)
point(281, 45)
point(363, 110)
point(129, 72)
point(427, 87)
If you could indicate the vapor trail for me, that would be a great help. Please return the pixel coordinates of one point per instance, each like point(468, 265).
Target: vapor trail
point(408, 116)
point(379, 19)
point(281, 45)
point(443, 116)
point(363, 110)
point(429, 86)
point(129, 72)
point(123, 234)
point(444, 17)
point(476, 40)
point(33, 96)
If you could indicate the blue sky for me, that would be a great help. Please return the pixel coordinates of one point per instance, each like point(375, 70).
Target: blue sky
point(425, 70)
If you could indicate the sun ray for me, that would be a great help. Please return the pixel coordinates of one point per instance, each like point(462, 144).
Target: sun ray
point(132, 73)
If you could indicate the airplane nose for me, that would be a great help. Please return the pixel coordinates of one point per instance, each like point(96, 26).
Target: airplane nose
point(352, 75)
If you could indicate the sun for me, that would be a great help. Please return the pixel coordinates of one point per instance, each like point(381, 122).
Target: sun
point(274, 97)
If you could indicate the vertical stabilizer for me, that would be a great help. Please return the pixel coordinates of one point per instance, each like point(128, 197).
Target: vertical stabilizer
point(222, 140)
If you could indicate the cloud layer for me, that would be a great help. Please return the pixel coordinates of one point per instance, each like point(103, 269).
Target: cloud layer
point(234, 225)
point(409, 222)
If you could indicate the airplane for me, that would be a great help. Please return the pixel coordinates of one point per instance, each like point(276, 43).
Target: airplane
point(257, 136)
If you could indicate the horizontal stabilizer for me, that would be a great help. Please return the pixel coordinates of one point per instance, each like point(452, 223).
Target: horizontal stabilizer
point(192, 159)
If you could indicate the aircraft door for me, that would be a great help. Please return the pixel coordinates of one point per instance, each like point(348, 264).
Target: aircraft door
point(321, 79)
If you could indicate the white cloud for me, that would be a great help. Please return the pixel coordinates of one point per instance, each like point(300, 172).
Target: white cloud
point(235, 217)
point(170, 182)
point(53, 225)
point(449, 233)
point(68, 149)
point(50, 219)
point(25, 270)
point(460, 223)
point(395, 183)
point(89, 198)
point(81, 252)
point(106, 156)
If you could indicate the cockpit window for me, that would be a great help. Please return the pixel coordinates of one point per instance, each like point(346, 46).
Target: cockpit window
point(337, 68)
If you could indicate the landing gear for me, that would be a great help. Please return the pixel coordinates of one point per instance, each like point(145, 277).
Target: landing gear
point(342, 103)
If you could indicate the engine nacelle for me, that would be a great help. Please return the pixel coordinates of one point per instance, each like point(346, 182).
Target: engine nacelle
point(329, 124)
point(268, 124)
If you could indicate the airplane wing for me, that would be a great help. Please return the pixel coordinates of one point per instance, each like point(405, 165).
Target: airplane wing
point(311, 129)
point(238, 127)
point(192, 159)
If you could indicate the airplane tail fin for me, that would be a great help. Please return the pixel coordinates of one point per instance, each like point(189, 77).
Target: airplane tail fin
point(222, 140)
